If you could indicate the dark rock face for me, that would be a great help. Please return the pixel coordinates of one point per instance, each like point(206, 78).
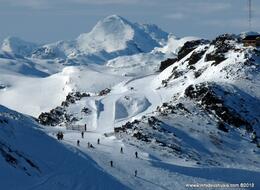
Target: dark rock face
point(104, 92)
point(167, 63)
point(223, 44)
point(59, 114)
point(54, 117)
point(149, 129)
point(72, 97)
point(198, 73)
point(195, 57)
point(207, 95)
point(216, 57)
point(189, 47)
point(224, 39)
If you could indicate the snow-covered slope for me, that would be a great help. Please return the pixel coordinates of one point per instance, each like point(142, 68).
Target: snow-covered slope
point(30, 159)
point(37, 94)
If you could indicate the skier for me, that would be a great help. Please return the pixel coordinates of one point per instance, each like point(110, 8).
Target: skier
point(82, 134)
point(85, 127)
point(135, 173)
point(59, 135)
point(111, 163)
point(98, 141)
point(77, 142)
point(121, 150)
point(136, 155)
point(91, 146)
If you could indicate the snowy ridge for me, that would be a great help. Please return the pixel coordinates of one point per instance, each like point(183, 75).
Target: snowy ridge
point(16, 46)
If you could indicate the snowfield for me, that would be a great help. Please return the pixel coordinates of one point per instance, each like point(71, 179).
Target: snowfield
point(168, 112)
point(32, 160)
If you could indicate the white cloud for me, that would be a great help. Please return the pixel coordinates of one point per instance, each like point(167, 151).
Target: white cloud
point(176, 16)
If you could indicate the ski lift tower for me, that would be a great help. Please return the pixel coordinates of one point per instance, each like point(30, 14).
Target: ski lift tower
point(251, 38)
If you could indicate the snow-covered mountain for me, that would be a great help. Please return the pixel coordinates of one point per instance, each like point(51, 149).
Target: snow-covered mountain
point(178, 111)
point(111, 37)
point(18, 47)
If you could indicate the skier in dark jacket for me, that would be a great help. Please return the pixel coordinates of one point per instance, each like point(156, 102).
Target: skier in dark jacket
point(82, 134)
point(135, 173)
point(78, 142)
point(121, 150)
point(98, 141)
point(111, 163)
point(136, 154)
point(85, 127)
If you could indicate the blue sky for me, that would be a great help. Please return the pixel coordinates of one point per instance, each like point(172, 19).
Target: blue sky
point(53, 20)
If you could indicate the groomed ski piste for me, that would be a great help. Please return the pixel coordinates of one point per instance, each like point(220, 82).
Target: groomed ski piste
point(33, 158)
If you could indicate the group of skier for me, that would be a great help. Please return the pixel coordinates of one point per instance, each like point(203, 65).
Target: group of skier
point(121, 151)
point(60, 137)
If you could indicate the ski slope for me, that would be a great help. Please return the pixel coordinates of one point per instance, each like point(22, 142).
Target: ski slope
point(30, 159)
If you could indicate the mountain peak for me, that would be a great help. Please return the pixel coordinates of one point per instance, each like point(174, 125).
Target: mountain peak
point(112, 23)
point(114, 18)
point(15, 45)
point(110, 34)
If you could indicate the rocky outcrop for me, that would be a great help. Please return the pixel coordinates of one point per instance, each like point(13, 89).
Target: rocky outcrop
point(189, 47)
point(167, 63)
point(223, 44)
point(209, 96)
point(59, 114)
point(149, 130)
point(195, 57)
point(72, 97)
point(54, 117)
point(104, 92)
